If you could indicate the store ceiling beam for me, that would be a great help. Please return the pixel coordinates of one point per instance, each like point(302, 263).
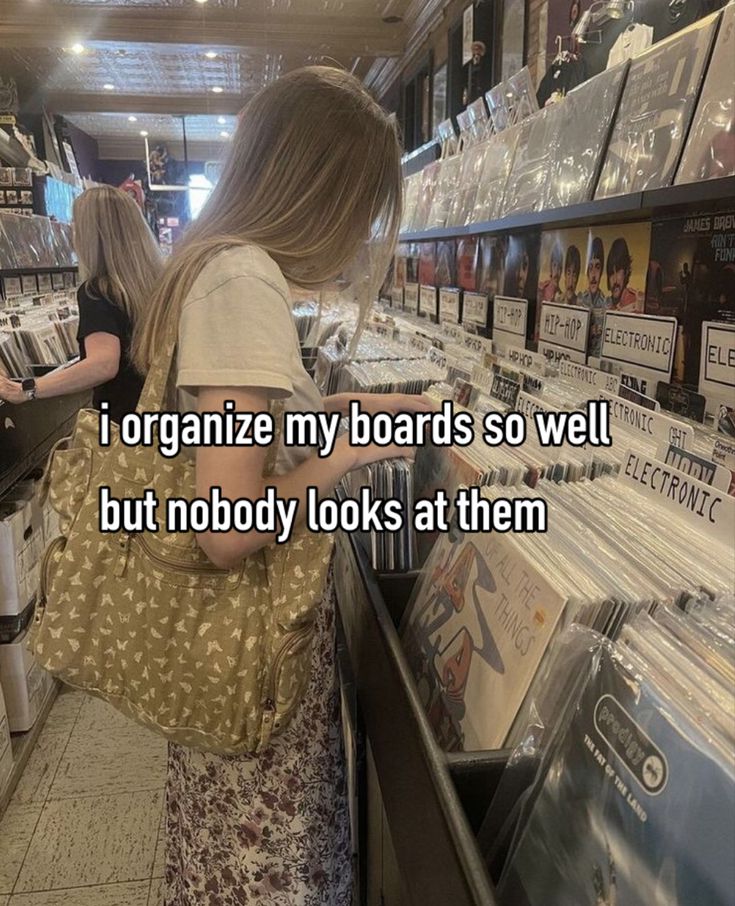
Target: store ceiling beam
point(177, 105)
point(45, 24)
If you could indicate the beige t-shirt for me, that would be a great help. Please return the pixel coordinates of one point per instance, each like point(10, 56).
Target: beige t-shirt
point(237, 330)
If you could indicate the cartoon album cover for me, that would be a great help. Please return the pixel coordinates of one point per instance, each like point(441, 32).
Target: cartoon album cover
point(480, 618)
point(655, 112)
point(635, 809)
point(691, 276)
point(709, 152)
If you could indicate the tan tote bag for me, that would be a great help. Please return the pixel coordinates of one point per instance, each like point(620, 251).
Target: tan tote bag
point(212, 659)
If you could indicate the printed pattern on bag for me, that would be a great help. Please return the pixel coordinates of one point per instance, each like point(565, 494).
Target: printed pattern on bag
point(213, 659)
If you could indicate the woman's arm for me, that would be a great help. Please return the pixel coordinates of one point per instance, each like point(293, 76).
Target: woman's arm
point(101, 364)
point(238, 470)
point(378, 402)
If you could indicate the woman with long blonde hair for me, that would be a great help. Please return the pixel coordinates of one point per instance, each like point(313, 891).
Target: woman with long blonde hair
point(119, 262)
point(313, 173)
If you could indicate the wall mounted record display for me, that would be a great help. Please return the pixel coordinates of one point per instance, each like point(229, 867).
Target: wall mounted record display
point(710, 148)
point(655, 112)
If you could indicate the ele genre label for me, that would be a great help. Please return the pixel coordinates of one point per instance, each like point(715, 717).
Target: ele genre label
point(643, 341)
point(651, 424)
point(717, 365)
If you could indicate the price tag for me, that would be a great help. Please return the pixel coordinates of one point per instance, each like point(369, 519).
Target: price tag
point(510, 317)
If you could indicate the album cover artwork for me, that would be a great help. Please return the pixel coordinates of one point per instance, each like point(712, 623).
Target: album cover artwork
point(493, 250)
point(561, 261)
point(691, 276)
point(583, 137)
point(467, 248)
point(520, 272)
point(446, 263)
point(427, 263)
point(655, 112)
point(480, 618)
point(613, 276)
point(709, 152)
point(636, 807)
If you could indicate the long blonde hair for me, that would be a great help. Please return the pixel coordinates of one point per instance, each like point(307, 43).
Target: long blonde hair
point(119, 258)
point(314, 171)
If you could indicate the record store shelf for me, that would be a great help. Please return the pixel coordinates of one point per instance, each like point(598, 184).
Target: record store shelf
point(434, 802)
point(29, 431)
point(712, 193)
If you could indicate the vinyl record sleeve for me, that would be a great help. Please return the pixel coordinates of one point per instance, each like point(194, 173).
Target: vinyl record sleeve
point(655, 112)
point(537, 148)
point(635, 809)
point(585, 117)
point(710, 149)
point(479, 621)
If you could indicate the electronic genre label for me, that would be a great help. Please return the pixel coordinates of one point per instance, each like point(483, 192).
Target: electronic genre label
point(643, 341)
point(717, 365)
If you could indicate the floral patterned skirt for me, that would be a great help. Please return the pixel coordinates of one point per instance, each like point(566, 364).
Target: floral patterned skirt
point(274, 829)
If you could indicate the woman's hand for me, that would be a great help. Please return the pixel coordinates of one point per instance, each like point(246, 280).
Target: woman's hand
point(11, 391)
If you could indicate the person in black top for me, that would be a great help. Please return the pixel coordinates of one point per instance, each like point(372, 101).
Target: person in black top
point(120, 263)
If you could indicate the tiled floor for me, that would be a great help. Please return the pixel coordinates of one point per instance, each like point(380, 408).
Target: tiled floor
point(85, 826)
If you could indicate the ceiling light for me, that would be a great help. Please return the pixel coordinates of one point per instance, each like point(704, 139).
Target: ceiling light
point(108, 86)
point(211, 54)
point(132, 119)
point(77, 48)
point(218, 89)
point(225, 134)
point(143, 133)
point(201, 1)
point(221, 120)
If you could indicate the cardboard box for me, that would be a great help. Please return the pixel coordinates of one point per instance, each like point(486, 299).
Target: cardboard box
point(6, 750)
point(25, 684)
point(21, 550)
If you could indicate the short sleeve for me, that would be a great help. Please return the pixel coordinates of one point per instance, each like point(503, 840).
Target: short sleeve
point(239, 333)
point(98, 315)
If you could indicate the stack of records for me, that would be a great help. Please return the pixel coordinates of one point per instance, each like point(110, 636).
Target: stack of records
point(635, 796)
point(486, 605)
point(389, 480)
point(14, 362)
point(390, 377)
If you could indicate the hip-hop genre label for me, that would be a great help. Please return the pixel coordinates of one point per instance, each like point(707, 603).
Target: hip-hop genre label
point(474, 309)
point(510, 317)
point(555, 354)
point(645, 341)
point(717, 365)
point(411, 297)
point(567, 326)
point(449, 305)
point(427, 302)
